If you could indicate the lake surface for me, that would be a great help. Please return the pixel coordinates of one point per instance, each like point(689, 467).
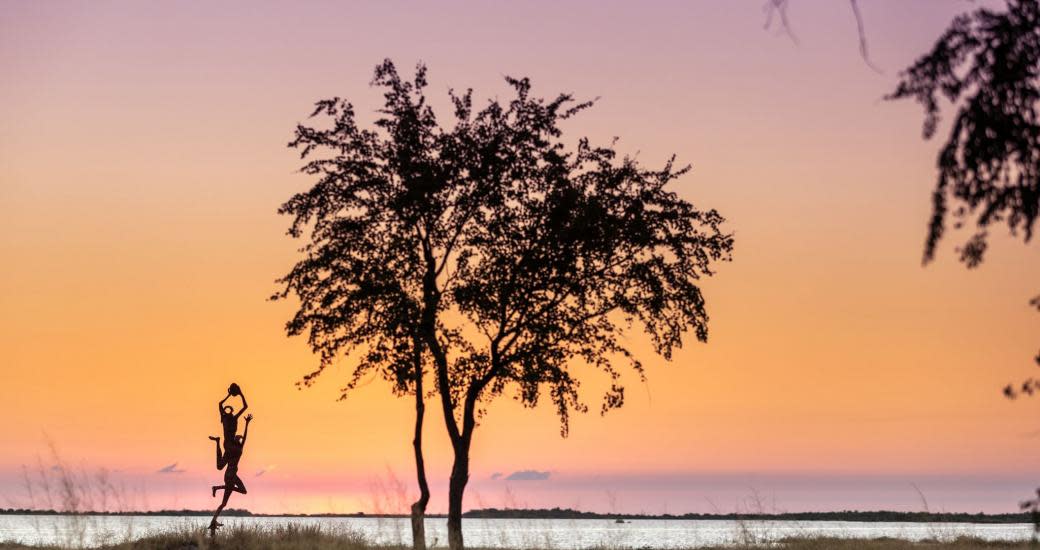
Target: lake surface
point(506, 533)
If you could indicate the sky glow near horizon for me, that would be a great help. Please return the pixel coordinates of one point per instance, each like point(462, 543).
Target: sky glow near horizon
point(142, 159)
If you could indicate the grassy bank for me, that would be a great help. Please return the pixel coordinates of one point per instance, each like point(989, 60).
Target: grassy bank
point(292, 537)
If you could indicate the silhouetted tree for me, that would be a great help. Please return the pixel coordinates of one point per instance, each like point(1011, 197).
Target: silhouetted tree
point(513, 257)
point(986, 64)
point(359, 284)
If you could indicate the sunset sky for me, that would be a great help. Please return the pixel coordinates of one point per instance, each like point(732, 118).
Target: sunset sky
point(143, 158)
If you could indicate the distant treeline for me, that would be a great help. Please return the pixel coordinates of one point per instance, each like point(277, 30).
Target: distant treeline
point(847, 515)
point(567, 513)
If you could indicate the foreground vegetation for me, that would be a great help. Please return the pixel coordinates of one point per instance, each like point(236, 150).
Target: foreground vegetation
point(293, 537)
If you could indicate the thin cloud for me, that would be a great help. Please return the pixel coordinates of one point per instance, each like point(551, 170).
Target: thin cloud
point(496, 475)
point(528, 475)
point(171, 469)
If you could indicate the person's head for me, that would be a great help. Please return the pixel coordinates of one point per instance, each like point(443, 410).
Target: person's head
point(228, 409)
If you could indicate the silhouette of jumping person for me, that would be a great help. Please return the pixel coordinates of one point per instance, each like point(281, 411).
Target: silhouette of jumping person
point(229, 459)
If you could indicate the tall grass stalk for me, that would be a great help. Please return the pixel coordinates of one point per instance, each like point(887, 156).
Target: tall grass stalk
point(53, 484)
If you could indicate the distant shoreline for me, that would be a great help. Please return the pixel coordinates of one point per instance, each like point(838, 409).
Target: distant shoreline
point(566, 513)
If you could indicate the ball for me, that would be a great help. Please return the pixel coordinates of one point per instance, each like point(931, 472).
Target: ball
point(233, 389)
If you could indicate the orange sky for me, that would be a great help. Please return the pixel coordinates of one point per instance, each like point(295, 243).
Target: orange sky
point(142, 158)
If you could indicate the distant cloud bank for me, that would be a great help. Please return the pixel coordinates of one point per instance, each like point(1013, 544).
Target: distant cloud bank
point(526, 475)
point(171, 469)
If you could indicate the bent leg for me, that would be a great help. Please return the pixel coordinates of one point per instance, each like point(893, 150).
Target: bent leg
point(239, 486)
point(220, 456)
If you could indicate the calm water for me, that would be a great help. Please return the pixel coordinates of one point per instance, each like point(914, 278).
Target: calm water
point(506, 533)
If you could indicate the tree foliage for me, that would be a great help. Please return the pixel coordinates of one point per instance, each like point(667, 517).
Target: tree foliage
point(359, 282)
point(986, 64)
point(569, 249)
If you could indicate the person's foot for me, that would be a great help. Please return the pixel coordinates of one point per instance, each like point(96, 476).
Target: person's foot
point(215, 438)
point(213, 525)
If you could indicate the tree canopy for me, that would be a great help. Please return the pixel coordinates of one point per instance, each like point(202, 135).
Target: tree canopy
point(987, 65)
point(569, 249)
point(359, 282)
point(492, 249)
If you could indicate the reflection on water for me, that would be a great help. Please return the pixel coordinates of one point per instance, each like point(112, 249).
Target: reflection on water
point(506, 533)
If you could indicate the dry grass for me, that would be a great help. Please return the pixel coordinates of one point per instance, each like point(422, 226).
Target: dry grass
point(962, 543)
point(283, 537)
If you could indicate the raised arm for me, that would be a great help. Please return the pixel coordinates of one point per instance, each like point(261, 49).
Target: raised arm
point(220, 406)
point(245, 432)
point(244, 404)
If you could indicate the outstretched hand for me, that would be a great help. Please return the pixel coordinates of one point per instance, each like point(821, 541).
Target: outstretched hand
point(249, 417)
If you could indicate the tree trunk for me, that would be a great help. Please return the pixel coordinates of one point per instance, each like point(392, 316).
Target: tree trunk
point(459, 438)
point(419, 506)
point(456, 489)
point(419, 525)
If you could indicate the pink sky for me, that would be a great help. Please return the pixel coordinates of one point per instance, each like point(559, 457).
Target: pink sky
point(142, 159)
